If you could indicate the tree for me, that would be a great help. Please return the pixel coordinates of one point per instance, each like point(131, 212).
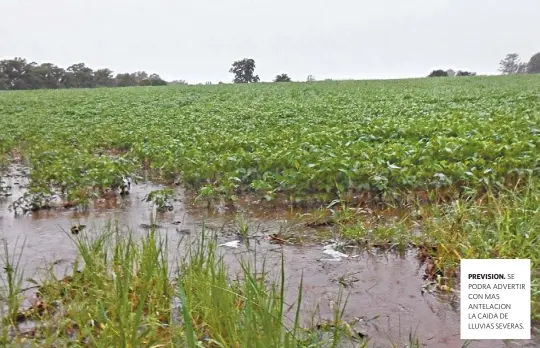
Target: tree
point(451, 72)
point(69, 80)
point(465, 73)
point(438, 73)
point(126, 80)
point(512, 64)
point(17, 74)
point(140, 75)
point(104, 78)
point(243, 71)
point(282, 78)
point(156, 80)
point(49, 75)
point(4, 82)
point(310, 78)
point(29, 76)
point(178, 82)
point(84, 76)
point(145, 82)
point(533, 67)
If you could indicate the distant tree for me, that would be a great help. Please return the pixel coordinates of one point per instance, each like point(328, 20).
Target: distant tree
point(438, 73)
point(69, 80)
point(17, 74)
point(282, 78)
point(49, 75)
point(533, 67)
point(31, 80)
point(178, 82)
point(512, 64)
point(310, 78)
point(451, 72)
point(156, 80)
point(104, 78)
point(84, 76)
point(126, 80)
point(208, 83)
point(140, 76)
point(4, 81)
point(465, 73)
point(244, 71)
point(159, 82)
point(221, 83)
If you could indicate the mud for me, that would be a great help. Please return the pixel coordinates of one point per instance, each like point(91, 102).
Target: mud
point(385, 298)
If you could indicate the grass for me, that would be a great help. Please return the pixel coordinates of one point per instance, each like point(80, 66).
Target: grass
point(123, 294)
point(502, 225)
point(10, 298)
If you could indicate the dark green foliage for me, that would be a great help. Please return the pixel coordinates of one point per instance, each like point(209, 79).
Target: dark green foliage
point(465, 73)
point(156, 80)
point(19, 74)
point(533, 67)
point(438, 73)
point(244, 71)
point(126, 80)
point(282, 78)
point(104, 78)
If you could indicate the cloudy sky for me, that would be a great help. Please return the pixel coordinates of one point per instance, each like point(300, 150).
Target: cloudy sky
point(198, 40)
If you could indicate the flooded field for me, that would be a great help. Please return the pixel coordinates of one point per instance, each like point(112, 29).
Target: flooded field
point(388, 298)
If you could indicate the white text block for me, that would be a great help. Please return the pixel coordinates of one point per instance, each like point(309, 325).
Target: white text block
point(495, 299)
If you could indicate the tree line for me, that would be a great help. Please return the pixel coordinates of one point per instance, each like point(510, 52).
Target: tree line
point(510, 65)
point(244, 70)
point(19, 74)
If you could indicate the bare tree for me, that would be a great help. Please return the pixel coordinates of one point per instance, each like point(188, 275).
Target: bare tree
point(512, 64)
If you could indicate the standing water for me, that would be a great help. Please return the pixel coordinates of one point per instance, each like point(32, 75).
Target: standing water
point(386, 300)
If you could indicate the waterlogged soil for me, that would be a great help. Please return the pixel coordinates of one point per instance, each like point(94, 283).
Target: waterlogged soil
point(385, 301)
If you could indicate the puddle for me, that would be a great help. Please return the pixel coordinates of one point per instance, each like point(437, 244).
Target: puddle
point(385, 298)
point(384, 295)
point(45, 232)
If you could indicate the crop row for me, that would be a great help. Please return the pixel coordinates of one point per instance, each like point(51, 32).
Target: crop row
point(310, 140)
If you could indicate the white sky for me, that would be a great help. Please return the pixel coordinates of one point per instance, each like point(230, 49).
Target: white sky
point(198, 40)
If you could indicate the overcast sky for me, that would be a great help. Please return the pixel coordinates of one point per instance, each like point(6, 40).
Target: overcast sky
point(198, 40)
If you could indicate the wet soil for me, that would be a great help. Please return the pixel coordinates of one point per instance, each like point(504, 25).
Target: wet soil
point(386, 302)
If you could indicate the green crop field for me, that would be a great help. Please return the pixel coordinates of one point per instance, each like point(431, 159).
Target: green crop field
point(460, 155)
point(304, 141)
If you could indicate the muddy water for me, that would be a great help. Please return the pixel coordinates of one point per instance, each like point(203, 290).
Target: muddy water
point(385, 300)
point(46, 233)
